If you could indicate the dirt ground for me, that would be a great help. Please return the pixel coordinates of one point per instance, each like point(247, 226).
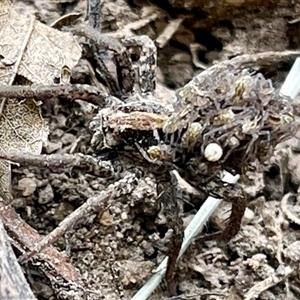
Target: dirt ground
point(116, 251)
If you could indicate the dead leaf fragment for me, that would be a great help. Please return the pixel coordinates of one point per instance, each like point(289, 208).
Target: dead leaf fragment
point(38, 54)
point(106, 219)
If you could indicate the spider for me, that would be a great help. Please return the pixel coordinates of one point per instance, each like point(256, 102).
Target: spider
point(178, 139)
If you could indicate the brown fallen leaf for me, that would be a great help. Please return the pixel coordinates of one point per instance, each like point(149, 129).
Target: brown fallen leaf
point(37, 54)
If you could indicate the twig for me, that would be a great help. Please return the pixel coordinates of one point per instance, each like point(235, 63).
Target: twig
point(57, 162)
point(128, 29)
point(192, 230)
point(290, 87)
point(234, 223)
point(13, 283)
point(27, 236)
point(103, 41)
point(68, 91)
point(270, 281)
point(286, 211)
point(168, 32)
point(269, 59)
point(175, 222)
point(193, 296)
point(194, 48)
point(93, 204)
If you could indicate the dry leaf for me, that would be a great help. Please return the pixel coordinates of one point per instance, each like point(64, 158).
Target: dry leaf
point(106, 219)
point(37, 53)
point(32, 49)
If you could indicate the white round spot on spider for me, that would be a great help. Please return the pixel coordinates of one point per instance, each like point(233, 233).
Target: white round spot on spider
point(213, 152)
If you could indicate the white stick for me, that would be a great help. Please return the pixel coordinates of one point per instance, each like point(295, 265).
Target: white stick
point(191, 231)
point(291, 85)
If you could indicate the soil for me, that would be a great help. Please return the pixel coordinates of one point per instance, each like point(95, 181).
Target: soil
point(116, 251)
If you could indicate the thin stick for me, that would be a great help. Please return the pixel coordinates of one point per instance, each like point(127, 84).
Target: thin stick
point(13, 282)
point(284, 207)
point(26, 236)
point(100, 202)
point(69, 91)
point(269, 282)
point(59, 162)
point(168, 32)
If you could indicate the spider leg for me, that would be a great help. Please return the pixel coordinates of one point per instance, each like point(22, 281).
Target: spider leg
point(234, 224)
point(210, 133)
point(147, 57)
point(250, 145)
point(229, 152)
point(93, 13)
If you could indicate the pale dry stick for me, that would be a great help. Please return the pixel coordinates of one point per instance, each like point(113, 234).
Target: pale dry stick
point(20, 57)
point(194, 48)
point(168, 32)
point(102, 40)
point(294, 21)
point(82, 92)
point(58, 162)
point(24, 236)
point(290, 88)
point(13, 282)
point(269, 282)
point(191, 231)
point(260, 60)
point(286, 211)
point(94, 204)
point(128, 29)
point(185, 297)
point(172, 210)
